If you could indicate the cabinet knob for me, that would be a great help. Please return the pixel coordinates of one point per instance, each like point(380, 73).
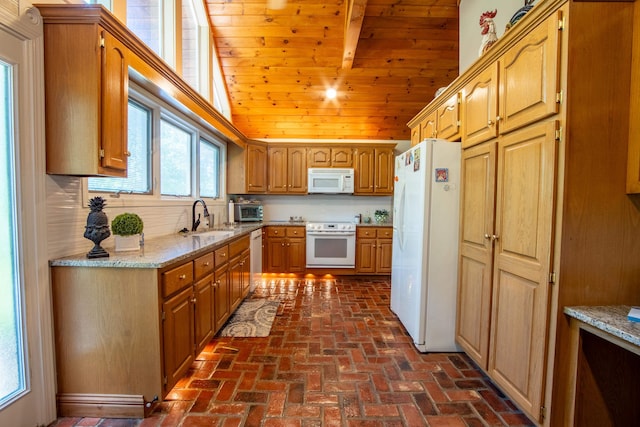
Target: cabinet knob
point(498, 118)
point(206, 264)
point(127, 153)
point(193, 300)
point(283, 244)
point(490, 122)
point(494, 237)
point(487, 236)
point(223, 254)
point(182, 276)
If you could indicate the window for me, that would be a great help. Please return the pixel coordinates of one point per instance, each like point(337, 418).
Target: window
point(190, 57)
point(175, 159)
point(209, 169)
point(144, 19)
point(138, 178)
point(12, 363)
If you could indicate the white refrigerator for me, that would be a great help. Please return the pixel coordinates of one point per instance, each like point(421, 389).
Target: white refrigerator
point(424, 270)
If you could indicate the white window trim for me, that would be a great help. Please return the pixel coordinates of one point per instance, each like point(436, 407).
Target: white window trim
point(161, 109)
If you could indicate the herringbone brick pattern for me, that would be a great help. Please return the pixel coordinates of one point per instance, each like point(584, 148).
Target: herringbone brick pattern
point(336, 356)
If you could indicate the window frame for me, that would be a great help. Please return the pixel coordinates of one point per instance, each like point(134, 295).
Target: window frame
point(184, 119)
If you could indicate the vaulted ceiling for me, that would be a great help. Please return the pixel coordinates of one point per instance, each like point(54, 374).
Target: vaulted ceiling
point(385, 58)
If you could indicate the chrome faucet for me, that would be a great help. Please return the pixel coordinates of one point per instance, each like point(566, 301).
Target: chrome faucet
point(196, 222)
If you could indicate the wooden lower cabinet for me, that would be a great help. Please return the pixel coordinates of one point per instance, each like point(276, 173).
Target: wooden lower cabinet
point(286, 249)
point(373, 250)
point(125, 336)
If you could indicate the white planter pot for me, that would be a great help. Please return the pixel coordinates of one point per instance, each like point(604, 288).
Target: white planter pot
point(127, 243)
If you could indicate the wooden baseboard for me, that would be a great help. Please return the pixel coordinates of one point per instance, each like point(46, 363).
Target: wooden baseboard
point(103, 405)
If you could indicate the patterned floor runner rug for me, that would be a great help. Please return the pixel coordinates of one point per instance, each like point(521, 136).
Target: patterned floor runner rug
point(253, 318)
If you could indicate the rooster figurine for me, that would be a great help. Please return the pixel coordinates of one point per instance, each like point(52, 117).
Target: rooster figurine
point(488, 32)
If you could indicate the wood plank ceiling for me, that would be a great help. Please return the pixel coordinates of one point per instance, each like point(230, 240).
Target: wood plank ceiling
point(385, 58)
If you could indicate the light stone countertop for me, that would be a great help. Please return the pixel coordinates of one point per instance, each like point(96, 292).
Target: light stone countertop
point(159, 252)
point(611, 319)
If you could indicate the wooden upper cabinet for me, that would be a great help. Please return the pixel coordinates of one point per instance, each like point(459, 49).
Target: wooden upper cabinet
point(86, 96)
point(287, 169)
point(374, 170)
point(428, 126)
point(256, 173)
point(320, 157)
point(530, 77)
point(448, 119)
point(480, 107)
point(325, 157)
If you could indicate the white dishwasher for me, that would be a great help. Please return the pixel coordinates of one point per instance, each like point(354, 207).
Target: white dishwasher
point(256, 257)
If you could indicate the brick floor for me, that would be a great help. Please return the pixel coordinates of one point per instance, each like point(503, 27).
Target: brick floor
point(336, 356)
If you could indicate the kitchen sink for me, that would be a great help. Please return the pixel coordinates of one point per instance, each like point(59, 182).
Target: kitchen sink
point(219, 234)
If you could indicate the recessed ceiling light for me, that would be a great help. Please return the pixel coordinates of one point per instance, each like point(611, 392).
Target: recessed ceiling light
point(331, 93)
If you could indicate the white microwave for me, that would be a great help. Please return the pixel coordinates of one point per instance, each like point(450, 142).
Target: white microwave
point(330, 180)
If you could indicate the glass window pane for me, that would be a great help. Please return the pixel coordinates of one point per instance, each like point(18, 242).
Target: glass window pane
point(143, 18)
point(175, 160)
point(209, 169)
point(190, 44)
point(138, 178)
point(12, 369)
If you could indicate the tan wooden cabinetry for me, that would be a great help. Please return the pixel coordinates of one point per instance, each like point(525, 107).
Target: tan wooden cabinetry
point(373, 250)
point(143, 327)
point(374, 170)
point(247, 169)
point(287, 169)
point(330, 157)
point(87, 138)
point(285, 249)
point(441, 121)
point(239, 266)
point(522, 87)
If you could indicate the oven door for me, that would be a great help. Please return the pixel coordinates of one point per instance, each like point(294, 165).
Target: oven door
point(331, 249)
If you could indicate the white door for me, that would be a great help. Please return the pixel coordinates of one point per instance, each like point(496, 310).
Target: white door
point(26, 355)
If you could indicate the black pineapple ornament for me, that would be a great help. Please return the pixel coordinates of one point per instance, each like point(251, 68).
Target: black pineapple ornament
point(97, 228)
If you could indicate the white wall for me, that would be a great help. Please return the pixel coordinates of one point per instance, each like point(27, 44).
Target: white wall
point(470, 37)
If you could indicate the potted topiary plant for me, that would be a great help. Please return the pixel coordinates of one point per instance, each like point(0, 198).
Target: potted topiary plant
point(127, 228)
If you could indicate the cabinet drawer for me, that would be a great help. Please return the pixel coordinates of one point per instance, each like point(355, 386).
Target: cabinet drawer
point(276, 231)
point(175, 279)
point(221, 255)
point(366, 232)
point(237, 246)
point(295, 231)
point(203, 265)
point(384, 233)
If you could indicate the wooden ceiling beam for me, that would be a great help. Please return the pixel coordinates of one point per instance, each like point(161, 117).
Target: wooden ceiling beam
point(353, 26)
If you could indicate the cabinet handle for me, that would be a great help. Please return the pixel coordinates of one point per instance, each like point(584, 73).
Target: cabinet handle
point(494, 237)
point(498, 118)
point(223, 254)
point(182, 276)
point(127, 153)
point(288, 244)
point(486, 236)
point(193, 300)
point(283, 244)
point(206, 264)
point(490, 122)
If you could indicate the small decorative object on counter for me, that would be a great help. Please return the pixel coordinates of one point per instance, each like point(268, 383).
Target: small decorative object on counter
point(528, 4)
point(488, 32)
point(97, 228)
point(127, 228)
point(382, 216)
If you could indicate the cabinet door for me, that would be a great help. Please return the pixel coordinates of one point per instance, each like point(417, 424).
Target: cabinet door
point(320, 157)
point(428, 126)
point(221, 297)
point(297, 255)
point(448, 121)
point(415, 135)
point(522, 262)
point(341, 157)
point(384, 171)
point(204, 309)
point(277, 169)
point(114, 103)
point(177, 331)
point(383, 256)
point(529, 77)
point(277, 259)
point(297, 170)
point(477, 212)
point(480, 108)
point(256, 168)
point(364, 170)
point(235, 282)
point(365, 256)
point(245, 263)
